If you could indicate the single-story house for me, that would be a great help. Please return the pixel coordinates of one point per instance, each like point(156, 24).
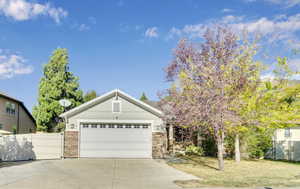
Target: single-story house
point(14, 116)
point(115, 125)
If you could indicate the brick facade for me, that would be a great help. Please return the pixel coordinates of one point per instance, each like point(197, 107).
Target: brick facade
point(159, 145)
point(71, 144)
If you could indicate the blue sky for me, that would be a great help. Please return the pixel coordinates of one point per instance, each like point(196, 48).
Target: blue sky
point(126, 43)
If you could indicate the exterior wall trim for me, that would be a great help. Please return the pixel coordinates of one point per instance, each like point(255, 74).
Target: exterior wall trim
point(114, 121)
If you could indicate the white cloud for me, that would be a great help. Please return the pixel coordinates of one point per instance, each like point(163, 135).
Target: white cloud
point(231, 19)
point(226, 10)
point(21, 10)
point(174, 32)
point(281, 28)
point(267, 26)
point(151, 32)
point(267, 76)
point(293, 43)
point(83, 27)
point(12, 65)
point(92, 20)
point(294, 64)
point(197, 30)
point(285, 3)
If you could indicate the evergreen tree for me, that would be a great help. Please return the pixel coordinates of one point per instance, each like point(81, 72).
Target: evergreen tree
point(90, 95)
point(56, 84)
point(143, 97)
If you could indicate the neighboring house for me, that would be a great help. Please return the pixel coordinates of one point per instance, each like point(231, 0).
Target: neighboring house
point(286, 144)
point(114, 125)
point(15, 116)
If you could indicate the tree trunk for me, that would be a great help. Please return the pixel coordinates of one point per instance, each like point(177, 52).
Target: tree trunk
point(199, 138)
point(237, 148)
point(220, 145)
point(171, 139)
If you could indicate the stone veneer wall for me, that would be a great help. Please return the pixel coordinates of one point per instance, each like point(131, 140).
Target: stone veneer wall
point(159, 145)
point(71, 144)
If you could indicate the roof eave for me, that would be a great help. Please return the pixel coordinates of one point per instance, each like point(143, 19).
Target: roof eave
point(94, 101)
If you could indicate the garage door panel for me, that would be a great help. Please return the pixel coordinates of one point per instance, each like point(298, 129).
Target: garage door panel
point(115, 154)
point(106, 135)
point(116, 142)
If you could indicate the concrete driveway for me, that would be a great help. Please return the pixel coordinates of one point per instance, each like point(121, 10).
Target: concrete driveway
point(91, 174)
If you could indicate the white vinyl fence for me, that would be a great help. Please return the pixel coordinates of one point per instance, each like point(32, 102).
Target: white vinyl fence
point(31, 146)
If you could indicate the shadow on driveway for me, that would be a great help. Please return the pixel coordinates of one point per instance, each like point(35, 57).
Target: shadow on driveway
point(13, 163)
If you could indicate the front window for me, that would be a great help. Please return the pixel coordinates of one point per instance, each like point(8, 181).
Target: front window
point(287, 132)
point(10, 108)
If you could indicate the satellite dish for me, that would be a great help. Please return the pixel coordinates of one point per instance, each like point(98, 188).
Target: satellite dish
point(65, 102)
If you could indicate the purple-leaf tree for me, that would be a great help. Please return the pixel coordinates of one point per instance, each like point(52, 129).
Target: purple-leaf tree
point(207, 78)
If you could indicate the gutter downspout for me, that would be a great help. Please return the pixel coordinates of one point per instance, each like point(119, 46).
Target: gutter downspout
point(18, 124)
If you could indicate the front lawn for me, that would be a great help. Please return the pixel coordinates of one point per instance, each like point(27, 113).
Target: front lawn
point(244, 174)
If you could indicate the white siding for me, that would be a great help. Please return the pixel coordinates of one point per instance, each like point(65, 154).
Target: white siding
point(295, 134)
point(287, 147)
point(103, 111)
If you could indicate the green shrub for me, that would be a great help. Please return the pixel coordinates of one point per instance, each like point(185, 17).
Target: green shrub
point(60, 127)
point(209, 146)
point(14, 129)
point(258, 143)
point(229, 146)
point(193, 150)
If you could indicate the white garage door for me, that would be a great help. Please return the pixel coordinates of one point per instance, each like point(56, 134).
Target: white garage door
point(116, 140)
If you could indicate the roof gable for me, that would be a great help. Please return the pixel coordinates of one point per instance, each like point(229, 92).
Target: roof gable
point(107, 96)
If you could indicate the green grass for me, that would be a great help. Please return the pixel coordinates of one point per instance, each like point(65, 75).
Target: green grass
point(244, 174)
